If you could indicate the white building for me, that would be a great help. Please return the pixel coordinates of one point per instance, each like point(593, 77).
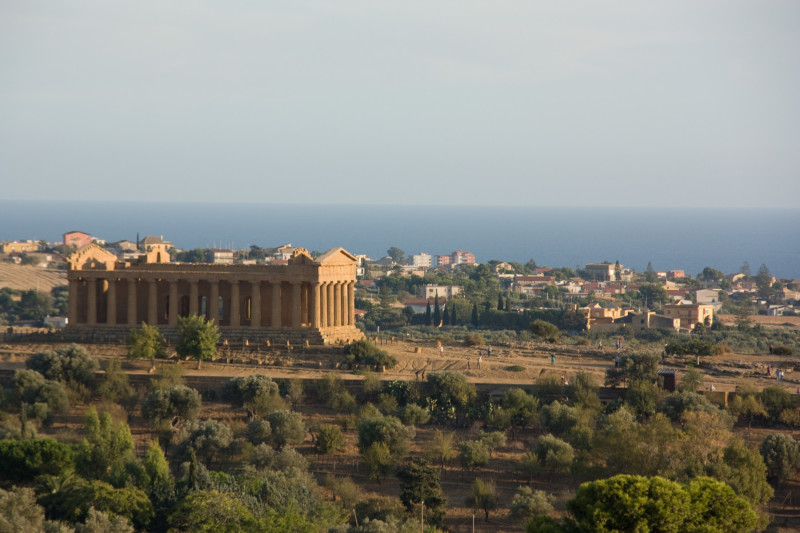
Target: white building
point(445, 291)
point(422, 260)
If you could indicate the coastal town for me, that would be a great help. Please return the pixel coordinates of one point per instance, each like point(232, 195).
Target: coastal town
point(611, 296)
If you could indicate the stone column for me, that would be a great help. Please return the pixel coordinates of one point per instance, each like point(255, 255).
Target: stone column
point(194, 297)
point(329, 305)
point(315, 314)
point(255, 304)
point(132, 307)
point(233, 315)
point(351, 304)
point(73, 301)
point(296, 305)
point(323, 305)
point(276, 304)
point(152, 302)
point(91, 307)
point(213, 309)
point(337, 304)
point(173, 303)
point(345, 301)
point(111, 302)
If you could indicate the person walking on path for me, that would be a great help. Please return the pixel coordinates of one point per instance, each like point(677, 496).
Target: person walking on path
point(552, 360)
point(480, 359)
point(467, 363)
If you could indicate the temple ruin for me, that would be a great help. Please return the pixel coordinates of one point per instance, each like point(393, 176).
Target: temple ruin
point(307, 300)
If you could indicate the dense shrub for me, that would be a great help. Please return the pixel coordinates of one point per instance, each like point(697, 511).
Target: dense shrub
point(782, 350)
point(691, 347)
point(364, 352)
point(329, 439)
point(474, 339)
point(41, 398)
point(69, 364)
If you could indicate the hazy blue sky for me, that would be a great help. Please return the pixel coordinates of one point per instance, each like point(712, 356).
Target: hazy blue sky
point(693, 103)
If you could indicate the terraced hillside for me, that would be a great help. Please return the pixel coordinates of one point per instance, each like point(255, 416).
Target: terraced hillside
point(26, 277)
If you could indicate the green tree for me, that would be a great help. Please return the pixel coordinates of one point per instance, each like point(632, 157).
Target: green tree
point(157, 468)
point(19, 512)
point(34, 305)
point(528, 503)
point(146, 342)
point(116, 388)
point(378, 459)
point(781, 454)
point(287, 428)
point(691, 381)
point(441, 448)
point(388, 430)
point(164, 405)
point(208, 439)
point(483, 496)
point(210, 512)
point(106, 445)
point(544, 330)
point(775, 400)
point(71, 365)
point(473, 454)
point(419, 482)
point(555, 456)
point(475, 318)
point(449, 395)
point(329, 439)
point(197, 338)
point(635, 503)
point(633, 367)
point(763, 282)
point(257, 393)
point(100, 522)
point(38, 397)
point(437, 311)
point(653, 296)
point(711, 274)
point(397, 255)
point(744, 470)
point(24, 460)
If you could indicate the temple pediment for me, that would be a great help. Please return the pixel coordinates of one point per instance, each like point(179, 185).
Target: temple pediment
point(92, 257)
point(301, 257)
point(337, 256)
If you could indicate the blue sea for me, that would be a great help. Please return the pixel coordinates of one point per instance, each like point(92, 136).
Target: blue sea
point(669, 238)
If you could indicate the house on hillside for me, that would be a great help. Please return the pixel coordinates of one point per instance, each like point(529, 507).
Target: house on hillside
point(78, 239)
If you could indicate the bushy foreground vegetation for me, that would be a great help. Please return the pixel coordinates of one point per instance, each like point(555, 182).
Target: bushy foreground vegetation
point(654, 460)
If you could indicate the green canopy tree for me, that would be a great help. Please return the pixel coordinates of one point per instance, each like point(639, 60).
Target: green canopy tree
point(419, 482)
point(197, 338)
point(146, 342)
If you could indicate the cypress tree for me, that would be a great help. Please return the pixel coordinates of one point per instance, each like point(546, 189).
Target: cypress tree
point(453, 316)
point(499, 302)
point(446, 316)
point(475, 315)
point(508, 303)
point(437, 311)
point(428, 314)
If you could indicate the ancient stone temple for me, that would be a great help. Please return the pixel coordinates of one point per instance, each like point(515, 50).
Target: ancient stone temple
point(305, 300)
